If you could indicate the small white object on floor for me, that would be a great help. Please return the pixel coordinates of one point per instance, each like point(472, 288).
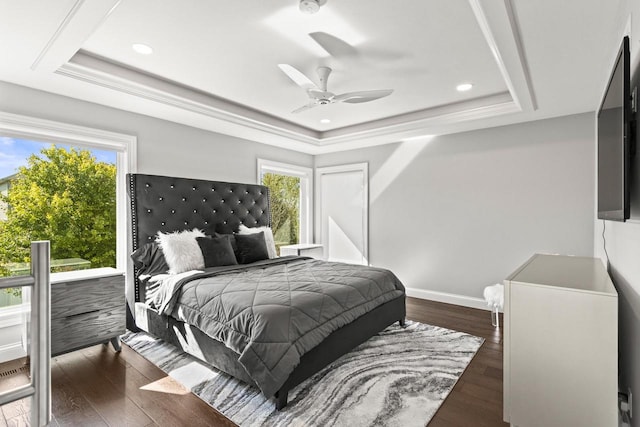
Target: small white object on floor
point(494, 295)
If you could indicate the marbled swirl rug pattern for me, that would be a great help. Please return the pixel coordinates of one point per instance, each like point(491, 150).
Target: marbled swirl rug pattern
point(398, 378)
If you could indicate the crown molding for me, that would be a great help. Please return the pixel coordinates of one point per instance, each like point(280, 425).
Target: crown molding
point(56, 35)
point(498, 24)
point(80, 21)
point(478, 108)
point(100, 72)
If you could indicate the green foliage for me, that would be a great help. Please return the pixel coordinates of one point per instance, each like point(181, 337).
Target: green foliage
point(67, 197)
point(285, 207)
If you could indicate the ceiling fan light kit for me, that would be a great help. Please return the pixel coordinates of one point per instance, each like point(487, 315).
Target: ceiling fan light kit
point(311, 6)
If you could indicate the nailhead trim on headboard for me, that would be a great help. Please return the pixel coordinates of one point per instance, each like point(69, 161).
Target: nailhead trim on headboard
point(167, 204)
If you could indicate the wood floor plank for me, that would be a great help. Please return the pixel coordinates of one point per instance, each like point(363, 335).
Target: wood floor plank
point(68, 404)
point(109, 401)
point(144, 392)
point(189, 402)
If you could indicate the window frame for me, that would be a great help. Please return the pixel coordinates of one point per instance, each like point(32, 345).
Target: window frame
point(306, 191)
point(125, 146)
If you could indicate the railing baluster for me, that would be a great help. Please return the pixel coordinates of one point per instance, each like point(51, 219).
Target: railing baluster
point(40, 336)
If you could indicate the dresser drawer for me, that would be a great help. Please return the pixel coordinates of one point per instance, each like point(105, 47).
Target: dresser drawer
point(81, 330)
point(83, 296)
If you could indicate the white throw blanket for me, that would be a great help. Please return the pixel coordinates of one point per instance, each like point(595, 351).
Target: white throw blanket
point(164, 296)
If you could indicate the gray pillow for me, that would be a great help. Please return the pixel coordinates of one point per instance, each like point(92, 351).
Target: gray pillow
point(251, 248)
point(149, 260)
point(217, 251)
point(232, 239)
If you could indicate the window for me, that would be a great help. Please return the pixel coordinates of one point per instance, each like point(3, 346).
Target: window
point(66, 184)
point(290, 190)
point(59, 193)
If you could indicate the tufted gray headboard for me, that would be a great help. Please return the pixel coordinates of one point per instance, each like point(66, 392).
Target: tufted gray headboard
point(162, 203)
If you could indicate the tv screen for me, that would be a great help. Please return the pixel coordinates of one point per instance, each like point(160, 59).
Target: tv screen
point(614, 118)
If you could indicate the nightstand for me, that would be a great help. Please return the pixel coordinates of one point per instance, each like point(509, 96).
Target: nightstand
point(303, 249)
point(87, 310)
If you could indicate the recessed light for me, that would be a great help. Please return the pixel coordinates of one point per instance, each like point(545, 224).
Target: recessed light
point(325, 121)
point(142, 49)
point(464, 87)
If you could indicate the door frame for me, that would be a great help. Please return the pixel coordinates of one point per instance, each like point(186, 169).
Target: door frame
point(352, 167)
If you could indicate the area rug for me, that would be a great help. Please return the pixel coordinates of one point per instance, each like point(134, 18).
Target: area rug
point(400, 377)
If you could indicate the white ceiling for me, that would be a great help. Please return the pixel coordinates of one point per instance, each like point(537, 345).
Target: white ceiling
point(214, 64)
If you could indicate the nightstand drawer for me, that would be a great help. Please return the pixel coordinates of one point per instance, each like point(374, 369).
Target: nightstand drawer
point(81, 330)
point(83, 296)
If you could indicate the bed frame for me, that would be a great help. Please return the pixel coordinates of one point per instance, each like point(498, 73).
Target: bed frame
point(167, 204)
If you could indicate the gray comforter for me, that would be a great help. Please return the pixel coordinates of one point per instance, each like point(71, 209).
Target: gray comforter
point(274, 311)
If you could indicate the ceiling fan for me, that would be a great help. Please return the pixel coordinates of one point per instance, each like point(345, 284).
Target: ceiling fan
point(319, 95)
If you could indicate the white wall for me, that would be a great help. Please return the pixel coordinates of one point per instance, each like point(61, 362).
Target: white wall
point(164, 148)
point(623, 239)
point(459, 212)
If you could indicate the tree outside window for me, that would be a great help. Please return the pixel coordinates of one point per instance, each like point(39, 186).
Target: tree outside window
point(67, 196)
point(285, 207)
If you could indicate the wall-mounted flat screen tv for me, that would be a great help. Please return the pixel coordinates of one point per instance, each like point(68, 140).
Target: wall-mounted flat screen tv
point(614, 138)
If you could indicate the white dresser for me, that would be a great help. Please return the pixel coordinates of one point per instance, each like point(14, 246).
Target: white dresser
point(560, 344)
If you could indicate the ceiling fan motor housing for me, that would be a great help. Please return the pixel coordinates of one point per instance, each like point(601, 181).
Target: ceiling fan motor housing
point(309, 6)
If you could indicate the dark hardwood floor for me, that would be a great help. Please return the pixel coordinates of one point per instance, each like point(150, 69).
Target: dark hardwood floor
point(476, 399)
point(97, 387)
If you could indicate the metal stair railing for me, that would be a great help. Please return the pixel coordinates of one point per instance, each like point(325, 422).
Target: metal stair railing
point(40, 336)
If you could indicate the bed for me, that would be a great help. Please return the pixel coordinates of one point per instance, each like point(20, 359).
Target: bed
point(355, 302)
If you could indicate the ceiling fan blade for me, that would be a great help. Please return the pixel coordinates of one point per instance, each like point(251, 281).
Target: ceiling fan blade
point(298, 78)
point(319, 94)
point(334, 46)
point(362, 96)
point(304, 108)
point(340, 49)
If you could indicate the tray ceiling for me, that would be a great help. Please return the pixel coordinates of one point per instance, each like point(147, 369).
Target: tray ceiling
point(215, 64)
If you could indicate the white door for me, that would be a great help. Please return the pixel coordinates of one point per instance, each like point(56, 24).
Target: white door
point(343, 202)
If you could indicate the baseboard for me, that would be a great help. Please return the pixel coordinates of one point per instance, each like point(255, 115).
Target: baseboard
point(448, 298)
point(11, 352)
point(13, 315)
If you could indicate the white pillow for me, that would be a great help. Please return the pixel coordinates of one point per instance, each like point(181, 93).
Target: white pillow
point(268, 237)
point(181, 250)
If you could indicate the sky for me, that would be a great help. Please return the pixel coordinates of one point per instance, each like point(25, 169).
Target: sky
point(14, 153)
